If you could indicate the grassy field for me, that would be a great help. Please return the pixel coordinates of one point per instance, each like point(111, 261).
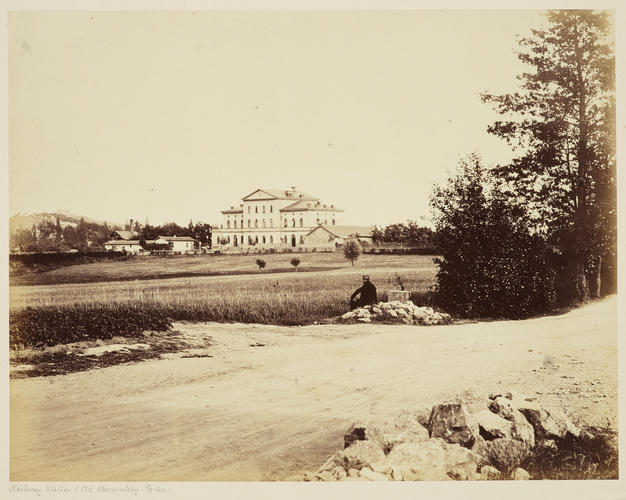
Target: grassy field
point(186, 266)
point(67, 312)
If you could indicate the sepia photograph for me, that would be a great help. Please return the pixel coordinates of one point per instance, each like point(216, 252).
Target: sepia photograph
point(311, 245)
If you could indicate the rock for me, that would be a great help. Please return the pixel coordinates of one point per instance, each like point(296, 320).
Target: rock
point(339, 473)
point(348, 315)
point(377, 310)
point(506, 453)
point(493, 426)
point(480, 449)
point(422, 414)
point(522, 430)
point(361, 453)
point(548, 444)
point(429, 460)
point(451, 422)
point(309, 476)
point(549, 424)
point(326, 476)
point(465, 471)
point(392, 313)
point(364, 320)
point(396, 474)
point(489, 473)
point(520, 474)
point(334, 461)
point(381, 467)
point(353, 472)
point(356, 432)
point(370, 475)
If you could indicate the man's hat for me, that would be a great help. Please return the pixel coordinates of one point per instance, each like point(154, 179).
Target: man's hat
point(366, 277)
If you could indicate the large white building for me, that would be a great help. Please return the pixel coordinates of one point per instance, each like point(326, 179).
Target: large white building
point(279, 219)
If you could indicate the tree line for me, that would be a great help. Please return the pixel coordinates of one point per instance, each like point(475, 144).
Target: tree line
point(410, 234)
point(48, 236)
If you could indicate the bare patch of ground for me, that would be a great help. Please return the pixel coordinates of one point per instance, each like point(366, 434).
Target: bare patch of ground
point(272, 402)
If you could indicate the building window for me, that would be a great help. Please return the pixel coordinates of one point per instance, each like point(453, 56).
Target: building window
point(271, 222)
point(302, 239)
point(317, 221)
point(271, 239)
point(301, 222)
point(271, 208)
point(333, 222)
point(248, 222)
point(263, 208)
point(285, 225)
point(228, 224)
point(256, 222)
point(256, 209)
point(264, 240)
point(325, 222)
point(293, 222)
point(235, 224)
point(248, 208)
point(263, 222)
point(256, 238)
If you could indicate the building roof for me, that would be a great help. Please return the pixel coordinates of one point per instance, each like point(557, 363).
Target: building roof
point(282, 194)
point(308, 206)
point(346, 231)
point(176, 238)
point(233, 211)
point(123, 242)
point(125, 235)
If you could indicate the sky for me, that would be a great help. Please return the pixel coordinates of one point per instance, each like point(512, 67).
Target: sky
point(172, 116)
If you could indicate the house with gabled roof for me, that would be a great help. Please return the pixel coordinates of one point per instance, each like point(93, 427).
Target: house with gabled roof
point(328, 237)
point(274, 218)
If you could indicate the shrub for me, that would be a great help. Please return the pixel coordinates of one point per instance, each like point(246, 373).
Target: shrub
point(295, 262)
point(50, 325)
point(352, 250)
point(490, 265)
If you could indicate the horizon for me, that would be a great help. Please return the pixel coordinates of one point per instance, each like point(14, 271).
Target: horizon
point(171, 116)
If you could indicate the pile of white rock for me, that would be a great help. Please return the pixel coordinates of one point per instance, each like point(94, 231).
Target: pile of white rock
point(397, 312)
point(490, 440)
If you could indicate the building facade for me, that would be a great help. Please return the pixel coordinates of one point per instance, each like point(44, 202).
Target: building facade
point(272, 218)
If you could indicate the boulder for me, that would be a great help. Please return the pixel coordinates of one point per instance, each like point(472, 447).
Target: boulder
point(325, 476)
point(452, 423)
point(403, 428)
point(348, 315)
point(396, 474)
point(549, 424)
point(370, 475)
point(465, 471)
point(493, 426)
point(480, 450)
point(429, 460)
point(548, 444)
point(520, 474)
point(522, 430)
point(360, 454)
point(422, 414)
point(339, 473)
point(506, 453)
point(353, 472)
point(489, 473)
point(364, 320)
point(334, 461)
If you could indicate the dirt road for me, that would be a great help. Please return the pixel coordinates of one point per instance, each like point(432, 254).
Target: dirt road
point(272, 402)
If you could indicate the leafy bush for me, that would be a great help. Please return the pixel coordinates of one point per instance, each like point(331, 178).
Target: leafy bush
point(592, 455)
point(64, 324)
point(490, 265)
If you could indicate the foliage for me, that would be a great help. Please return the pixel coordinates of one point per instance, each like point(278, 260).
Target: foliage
point(295, 262)
point(563, 121)
point(71, 323)
point(490, 265)
point(261, 263)
point(352, 250)
point(592, 455)
point(410, 234)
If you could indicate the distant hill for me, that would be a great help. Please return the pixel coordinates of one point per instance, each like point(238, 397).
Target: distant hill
point(22, 221)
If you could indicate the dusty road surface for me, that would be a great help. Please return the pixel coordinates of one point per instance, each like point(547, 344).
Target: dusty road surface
point(272, 402)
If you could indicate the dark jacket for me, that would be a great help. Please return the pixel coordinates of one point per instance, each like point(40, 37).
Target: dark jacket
point(368, 295)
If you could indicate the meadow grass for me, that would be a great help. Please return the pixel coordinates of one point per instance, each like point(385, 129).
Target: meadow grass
point(66, 312)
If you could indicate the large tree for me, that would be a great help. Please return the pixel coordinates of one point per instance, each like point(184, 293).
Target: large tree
point(562, 123)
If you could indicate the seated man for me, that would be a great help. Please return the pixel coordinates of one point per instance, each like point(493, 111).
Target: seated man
point(367, 294)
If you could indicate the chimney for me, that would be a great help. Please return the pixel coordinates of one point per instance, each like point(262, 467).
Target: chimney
point(131, 225)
